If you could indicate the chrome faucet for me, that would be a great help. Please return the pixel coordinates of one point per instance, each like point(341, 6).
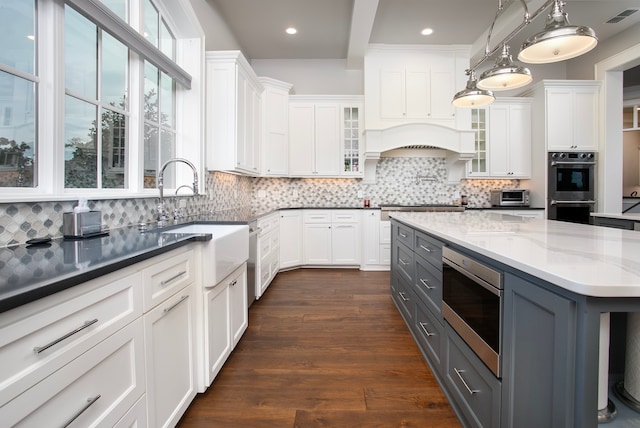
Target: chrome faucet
point(162, 213)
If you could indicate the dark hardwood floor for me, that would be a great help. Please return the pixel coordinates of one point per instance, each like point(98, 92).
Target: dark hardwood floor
point(324, 348)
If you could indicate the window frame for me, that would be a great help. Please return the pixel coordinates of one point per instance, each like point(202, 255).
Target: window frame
point(189, 51)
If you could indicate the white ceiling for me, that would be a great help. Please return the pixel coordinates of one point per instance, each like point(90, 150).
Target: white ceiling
point(341, 29)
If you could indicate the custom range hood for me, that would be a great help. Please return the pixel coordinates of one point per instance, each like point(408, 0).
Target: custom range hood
point(459, 146)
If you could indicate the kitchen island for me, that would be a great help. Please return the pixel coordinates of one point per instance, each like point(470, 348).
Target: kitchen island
point(558, 279)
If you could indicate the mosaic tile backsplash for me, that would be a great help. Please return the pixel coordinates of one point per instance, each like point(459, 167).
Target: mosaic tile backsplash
point(406, 180)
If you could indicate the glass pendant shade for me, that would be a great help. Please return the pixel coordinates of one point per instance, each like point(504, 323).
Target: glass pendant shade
point(471, 96)
point(505, 75)
point(558, 41)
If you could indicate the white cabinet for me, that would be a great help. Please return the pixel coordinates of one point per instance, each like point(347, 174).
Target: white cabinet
point(314, 144)
point(233, 125)
point(170, 350)
point(510, 139)
point(95, 389)
point(290, 238)
point(410, 84)
point(324, 136)
point(331, 237)
point(567, 111)
point(376, 242)
point(268, 255)
point(227, 318)
point(572, 117)
point(275, 125)
point(502, 140)
point(217, 331)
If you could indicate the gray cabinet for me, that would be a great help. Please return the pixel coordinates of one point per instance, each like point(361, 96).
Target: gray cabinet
point(539, 346)
point(616, 223)
point(474, 388)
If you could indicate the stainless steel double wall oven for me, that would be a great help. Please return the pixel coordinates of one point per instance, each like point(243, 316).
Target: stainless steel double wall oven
point(571, 186)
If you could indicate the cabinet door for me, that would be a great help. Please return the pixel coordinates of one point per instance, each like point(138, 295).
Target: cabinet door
point(327, 139)
point(520, 138)
point(169, 345)
point(317, 244)
point(239, 312)
point(585, 115)
point(217, 331)
point(499, 140)
point(276, 122)
point(371, 238)
point(392, 94)
point(243, 106)
point(537, 374)
point(290, 238)
point(345, 241)
point(442, 88)
point(301, 139)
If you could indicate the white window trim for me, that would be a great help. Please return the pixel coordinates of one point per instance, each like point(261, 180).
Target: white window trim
point(50, 130)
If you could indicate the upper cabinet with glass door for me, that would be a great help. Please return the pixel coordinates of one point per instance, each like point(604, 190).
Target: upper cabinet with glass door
point(478, 165)
point(352, 143)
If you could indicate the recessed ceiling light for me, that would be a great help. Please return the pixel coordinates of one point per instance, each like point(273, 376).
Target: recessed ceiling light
point(291, 30)
point(427, 31)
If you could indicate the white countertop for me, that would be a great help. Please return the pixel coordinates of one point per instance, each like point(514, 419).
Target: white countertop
point(627, 216)
point(588, 260)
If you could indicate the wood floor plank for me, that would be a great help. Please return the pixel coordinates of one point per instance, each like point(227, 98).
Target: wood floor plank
point(324, 348)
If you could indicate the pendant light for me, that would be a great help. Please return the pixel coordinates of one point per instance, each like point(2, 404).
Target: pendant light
point(471, 96)
point(505, 75)
point(558, 41)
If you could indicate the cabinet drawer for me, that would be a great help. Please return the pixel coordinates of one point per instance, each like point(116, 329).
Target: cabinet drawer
point(268, 223)
point(345, 216)
point(97, 388)
point(275, 241)
point(403, 234)
point(37, 345)
point(429, 334)
point(403, 298)
point(275, 264)
point(472, 384)
point(428, 286)
point(404, 262)
point(429, 248)
point(264, 246)
point(165, 277)
point(317, 216)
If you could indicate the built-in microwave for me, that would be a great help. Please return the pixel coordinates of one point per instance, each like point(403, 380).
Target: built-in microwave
point(509, 198)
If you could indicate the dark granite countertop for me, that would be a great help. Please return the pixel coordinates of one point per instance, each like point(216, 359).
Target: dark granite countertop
point(30, 272)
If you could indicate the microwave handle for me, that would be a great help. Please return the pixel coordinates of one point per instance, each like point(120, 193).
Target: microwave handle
point(481, 282)
point(554, 163)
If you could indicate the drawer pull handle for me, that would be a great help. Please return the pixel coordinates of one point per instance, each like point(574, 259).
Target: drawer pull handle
point(173, 278)
point(86, 324)
point(466, 385)
point(426, 284)
point(182, 299)
point(402, 262)
point(90, 402)
point(423, 326)
point(402, 234)
point(402, 296)
point(428, 250)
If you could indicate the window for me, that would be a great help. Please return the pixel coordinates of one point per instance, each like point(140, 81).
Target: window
point(107, 118)
point(18, 93)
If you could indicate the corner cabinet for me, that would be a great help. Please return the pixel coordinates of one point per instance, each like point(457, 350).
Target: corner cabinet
point(409, 84)
point(275, 127)
point(233, 124)
point(567, 111)
point(325, 136)
point(502, 140)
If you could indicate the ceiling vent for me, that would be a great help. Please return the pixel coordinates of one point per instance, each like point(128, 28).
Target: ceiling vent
point(622, 15)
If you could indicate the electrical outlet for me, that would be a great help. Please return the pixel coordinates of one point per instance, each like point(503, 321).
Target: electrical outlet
point(182, 203)
point(262, 194)
point(360, 194)
point(235, 194)
point(295, 194)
